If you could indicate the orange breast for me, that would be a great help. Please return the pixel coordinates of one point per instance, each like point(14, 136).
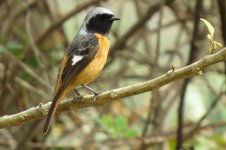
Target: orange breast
point(93, 69)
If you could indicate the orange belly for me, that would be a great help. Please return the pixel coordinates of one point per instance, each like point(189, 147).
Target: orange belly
point(93, 69)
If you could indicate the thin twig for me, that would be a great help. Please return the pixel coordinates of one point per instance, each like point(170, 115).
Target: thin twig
point(38, 55)
point(157, 138)
point(200, 121)
point(159, 31)
point(32, 88)
point(58, 23)
point(120, 43)
point(28, 70)
point(192, 56)
point(222, 10)
point(41, 111)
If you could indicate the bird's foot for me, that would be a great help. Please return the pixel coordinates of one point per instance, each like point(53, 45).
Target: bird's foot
point(78, 96)
point(93, 91)
point(96, 94)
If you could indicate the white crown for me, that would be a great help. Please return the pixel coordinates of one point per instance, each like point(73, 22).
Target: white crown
point(93, 12)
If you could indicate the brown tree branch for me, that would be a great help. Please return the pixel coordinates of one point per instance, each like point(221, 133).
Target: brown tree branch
point(41, 111)
point(58, 23)
point(162, 137)
point(121, 42)
point(46, 32)
point(192, 57)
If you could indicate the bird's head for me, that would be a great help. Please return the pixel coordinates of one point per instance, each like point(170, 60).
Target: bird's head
point(99, 20)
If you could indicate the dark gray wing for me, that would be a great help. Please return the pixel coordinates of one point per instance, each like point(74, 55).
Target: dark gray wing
point(85, 46)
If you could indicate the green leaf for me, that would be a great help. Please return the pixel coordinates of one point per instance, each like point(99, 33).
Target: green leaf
point(13, 45)
point(32, 61)
point(121, 123)
point(220, 140)
point(130, 133)
point(23, 75)
point(172, 144)
point(2, 49)
point(218, 44)
point(209, 26)
point(15, 48)
point(209, 37)
point(106, 121)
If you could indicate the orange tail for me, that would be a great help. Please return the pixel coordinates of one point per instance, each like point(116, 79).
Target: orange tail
point(51, 114)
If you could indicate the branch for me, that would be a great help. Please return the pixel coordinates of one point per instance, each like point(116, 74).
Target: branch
point(157, 138)
point(41, 111)
point(120, 43)
point(46, 32)
point(59, 23)
point(192, 56)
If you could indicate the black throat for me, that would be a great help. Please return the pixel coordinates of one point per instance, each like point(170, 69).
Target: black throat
point(100, 24)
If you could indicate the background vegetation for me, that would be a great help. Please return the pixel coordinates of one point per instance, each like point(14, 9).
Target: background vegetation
point(150, 38)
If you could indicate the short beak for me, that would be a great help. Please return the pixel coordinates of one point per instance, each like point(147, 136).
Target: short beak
point(115, 18)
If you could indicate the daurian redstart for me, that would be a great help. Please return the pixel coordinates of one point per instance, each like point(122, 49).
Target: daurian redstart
point(85, 57)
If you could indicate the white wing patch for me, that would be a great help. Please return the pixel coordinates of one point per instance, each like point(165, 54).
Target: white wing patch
point(75, 59)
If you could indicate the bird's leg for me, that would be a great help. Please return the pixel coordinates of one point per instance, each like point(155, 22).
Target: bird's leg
point(78, 95)
point(93, 91)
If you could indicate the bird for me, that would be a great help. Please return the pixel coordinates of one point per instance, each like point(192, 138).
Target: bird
point(84, 58)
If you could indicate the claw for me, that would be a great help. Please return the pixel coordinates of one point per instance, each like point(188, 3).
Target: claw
point(93, 91)
point(95, 96)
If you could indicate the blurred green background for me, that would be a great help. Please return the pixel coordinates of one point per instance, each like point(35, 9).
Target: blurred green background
point(34, 35)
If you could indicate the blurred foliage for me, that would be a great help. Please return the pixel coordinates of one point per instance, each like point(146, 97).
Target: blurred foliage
point(117, 127)
point(33, 42)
